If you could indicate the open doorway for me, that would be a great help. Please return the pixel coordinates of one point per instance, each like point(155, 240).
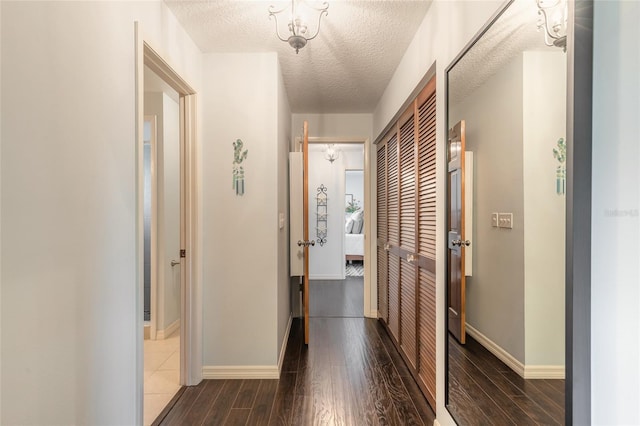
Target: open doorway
point(336, 222)
point(162, 287)
point(174, 256)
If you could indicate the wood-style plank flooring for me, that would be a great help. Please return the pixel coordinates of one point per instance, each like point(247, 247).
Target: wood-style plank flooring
point(337, 298)
point(349, 374)
point(484, 391)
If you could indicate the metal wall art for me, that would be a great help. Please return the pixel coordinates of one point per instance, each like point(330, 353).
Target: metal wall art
point(238, 171)
point(560, 153)
point(321, 215)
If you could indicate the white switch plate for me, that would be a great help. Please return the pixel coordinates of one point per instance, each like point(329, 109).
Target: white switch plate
point(494, 220)
point(505, 220)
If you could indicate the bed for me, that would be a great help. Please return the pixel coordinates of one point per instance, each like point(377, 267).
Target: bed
point(354, 237)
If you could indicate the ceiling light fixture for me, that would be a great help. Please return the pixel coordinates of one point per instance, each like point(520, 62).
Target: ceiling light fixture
point(297, 26)
point(553, 18)
point(332, 153)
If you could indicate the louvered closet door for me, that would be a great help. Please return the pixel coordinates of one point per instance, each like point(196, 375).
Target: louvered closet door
point(393, 219)
point(383, 259)
point(407, 241)
point(427, 242)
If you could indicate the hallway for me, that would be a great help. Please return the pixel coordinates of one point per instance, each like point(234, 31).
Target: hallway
point(350, 374)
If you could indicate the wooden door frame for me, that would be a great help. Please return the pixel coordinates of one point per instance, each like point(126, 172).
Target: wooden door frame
point(190, 271)
point(578, 208)
point(370, 290)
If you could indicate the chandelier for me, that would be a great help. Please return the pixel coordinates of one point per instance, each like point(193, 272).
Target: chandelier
point(332, 153)
point(298, 29)
point(552, 16)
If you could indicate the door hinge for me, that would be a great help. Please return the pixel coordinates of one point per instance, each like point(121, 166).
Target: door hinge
point(183, 253)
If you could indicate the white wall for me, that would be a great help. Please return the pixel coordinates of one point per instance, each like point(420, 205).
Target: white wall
point(241, 234)
point(436, 42)
point(615, 247)
point(284, 142)
point(326, 262)
point(544, 122)
point(70, 297)
point(333, 125)
point(354, 184)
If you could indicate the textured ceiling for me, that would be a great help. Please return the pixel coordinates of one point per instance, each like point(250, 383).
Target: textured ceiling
point(514, 32)
point(345, 69)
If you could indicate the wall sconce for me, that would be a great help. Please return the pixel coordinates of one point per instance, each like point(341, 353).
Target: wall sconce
point(553, 18)
point(332, 153)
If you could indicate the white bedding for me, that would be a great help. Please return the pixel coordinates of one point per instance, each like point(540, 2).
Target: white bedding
point(354, 244)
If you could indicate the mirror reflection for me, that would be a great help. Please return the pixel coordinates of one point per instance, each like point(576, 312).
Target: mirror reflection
point(507, 112)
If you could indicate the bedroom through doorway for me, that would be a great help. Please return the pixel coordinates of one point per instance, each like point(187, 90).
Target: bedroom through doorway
point(336, 222)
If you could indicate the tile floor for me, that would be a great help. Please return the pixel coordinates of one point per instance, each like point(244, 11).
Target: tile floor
point(161, 374)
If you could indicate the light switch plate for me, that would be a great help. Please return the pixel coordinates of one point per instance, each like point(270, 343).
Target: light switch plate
point(505, 220)
point(494, 220)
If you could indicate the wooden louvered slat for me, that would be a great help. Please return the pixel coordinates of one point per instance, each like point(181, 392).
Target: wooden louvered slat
point(427, 178)
point(382, 193)
point(408, 311)
point(383, 285)
point(407, 186)
point(427, 333)
point(426, 205)
point(392, 191)
point(394, 295)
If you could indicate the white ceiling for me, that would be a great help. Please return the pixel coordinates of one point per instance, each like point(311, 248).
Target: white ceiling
point(514, 32)
point(344, 70)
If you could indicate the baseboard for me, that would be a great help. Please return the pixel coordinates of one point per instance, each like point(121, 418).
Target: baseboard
point(240, 372)
point(283, 347)
point(544, 372)
point(436, 422)
point(326, 277)
point(524, 371)
point(163, 334)
point(373, 313)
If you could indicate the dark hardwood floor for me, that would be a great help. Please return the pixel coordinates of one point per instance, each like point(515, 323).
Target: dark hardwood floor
point(337, 298)
point(484, 391)
point(349, 374)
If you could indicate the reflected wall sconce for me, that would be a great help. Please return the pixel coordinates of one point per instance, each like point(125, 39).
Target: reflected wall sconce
point(297, 27)
point(552, 17)
point(332, 153)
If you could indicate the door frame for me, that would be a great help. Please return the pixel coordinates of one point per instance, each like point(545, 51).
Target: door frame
point(370, 290)
point(190, 186)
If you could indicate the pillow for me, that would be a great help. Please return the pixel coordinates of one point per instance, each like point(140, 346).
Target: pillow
point(357, 226)
point(358, 219)
point(348, 227)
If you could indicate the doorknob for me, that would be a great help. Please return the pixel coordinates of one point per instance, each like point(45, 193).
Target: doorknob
point(306, 243)
point(174, 263)
point(465, 242)
point(456, 243)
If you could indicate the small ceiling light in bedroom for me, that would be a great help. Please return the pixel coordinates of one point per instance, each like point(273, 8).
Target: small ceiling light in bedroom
point(332, 153)
point(553, 18)
point(297, 26)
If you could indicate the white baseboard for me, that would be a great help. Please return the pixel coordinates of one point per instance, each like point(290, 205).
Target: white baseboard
point(544, 371)
point(283, 347)
point(373, 313)
point(436, 422)
point(326, 277)
point(163, 334)
point(524, 371)
point(240, 372)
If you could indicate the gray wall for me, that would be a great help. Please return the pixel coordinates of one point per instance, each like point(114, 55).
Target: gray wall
point(495, 293)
